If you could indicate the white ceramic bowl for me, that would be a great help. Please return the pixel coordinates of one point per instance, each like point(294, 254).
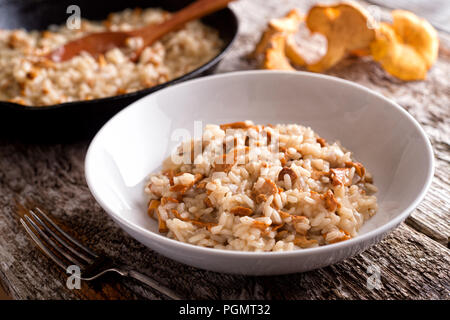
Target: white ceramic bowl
point(381, 134)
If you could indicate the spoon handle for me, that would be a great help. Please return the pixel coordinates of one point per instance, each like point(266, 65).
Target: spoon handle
point(195, 10)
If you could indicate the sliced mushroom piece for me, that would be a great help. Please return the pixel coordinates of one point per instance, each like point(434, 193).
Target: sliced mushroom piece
point(196, 223)
point(164, 200)
point(331, 204)
point(260, 198)
point(208, 203)
point(260, 225)
point(289, 172)
point(236, 125)
point(321, 141)
point(281, 235)
point(345, 237)
point(303, 242)
point(268, 188)
point(169, 174)
point(162, 226)
point(241, 211)
point(182, 189)
point(340, 176)
point(226, 164)
point(152, 206)
point(359, 168)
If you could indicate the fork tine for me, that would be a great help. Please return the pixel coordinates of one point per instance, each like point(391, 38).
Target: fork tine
point(60, 240)
point(41, 245)
point(51, 243)
point(71, 239)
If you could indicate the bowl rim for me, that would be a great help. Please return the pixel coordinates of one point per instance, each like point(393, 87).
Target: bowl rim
point(187, 76)
point(379, 231)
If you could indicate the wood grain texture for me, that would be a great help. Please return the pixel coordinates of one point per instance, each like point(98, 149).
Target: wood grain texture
point(413, 260)
point(437, 12)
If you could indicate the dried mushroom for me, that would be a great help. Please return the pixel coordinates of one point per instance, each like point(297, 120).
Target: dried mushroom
point(407, 48)
point(272, 43)
point(346, 27)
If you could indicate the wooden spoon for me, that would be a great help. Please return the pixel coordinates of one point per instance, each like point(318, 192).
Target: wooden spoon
point(101, 42)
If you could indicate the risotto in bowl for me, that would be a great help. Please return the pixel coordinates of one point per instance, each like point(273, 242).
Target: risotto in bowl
point(261, 188)
point(260, 172)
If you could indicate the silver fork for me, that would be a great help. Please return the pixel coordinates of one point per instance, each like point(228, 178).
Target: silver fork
point(64, 250)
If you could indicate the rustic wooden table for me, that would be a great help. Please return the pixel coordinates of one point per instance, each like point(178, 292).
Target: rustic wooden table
point(413, 260)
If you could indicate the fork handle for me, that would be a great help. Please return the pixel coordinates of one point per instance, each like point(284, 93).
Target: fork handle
point(149, 282)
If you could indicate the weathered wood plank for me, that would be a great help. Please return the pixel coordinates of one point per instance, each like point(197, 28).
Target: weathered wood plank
point(398, 275)
point(436, 11)
point(427, 218)
point(3, 294)
point(411, 266)
point(413, 260)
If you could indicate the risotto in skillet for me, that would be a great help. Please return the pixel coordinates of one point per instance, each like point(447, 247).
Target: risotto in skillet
point(27, 78)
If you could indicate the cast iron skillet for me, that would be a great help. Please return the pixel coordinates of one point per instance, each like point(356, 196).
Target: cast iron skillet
point(83, 118)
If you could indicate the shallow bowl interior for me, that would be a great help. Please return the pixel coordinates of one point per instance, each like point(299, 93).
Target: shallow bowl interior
point(381, 135)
